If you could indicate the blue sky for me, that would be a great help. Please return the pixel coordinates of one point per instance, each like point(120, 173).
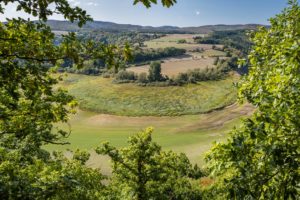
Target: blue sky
point(184, 13)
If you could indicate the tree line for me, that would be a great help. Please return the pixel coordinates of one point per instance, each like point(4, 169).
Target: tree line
point(154, 77)
point(237, 39)
point(139, 56)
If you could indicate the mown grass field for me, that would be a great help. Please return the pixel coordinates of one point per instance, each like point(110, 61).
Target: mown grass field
point(191, 134)
point(213, 53)
point(172, 41)
point(101, 95)
point(173, 67)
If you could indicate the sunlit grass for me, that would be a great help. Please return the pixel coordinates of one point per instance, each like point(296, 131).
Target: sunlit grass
point(101, 95)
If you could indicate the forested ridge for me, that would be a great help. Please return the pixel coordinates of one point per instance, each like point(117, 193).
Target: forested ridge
point(110, 27)
point(259, 160)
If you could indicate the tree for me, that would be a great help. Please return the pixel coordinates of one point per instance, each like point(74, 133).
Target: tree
point(30, 105)
point(148, 3)
point(58, 178)
point(143, 171)
point(142, 77)
point(155, 72)
point(182, 41)
point(260, 160)
point(42, 9)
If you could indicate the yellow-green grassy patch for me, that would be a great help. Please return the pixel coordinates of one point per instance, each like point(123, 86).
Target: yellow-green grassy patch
point(101, 95)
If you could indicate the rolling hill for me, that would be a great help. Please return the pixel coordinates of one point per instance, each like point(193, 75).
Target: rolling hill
point(114, 27)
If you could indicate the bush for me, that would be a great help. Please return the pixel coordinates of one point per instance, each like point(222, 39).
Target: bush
point(181, 41)
point(106, 75)
point(198, 50)
point(182, 78)
point(216, 60)
point(228, 54)
point(142, 78)
point(126, 75)
point(155, 72)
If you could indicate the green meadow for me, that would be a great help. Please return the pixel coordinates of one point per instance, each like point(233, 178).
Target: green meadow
point(186, 119)
point(190, 134)
point(100, 95)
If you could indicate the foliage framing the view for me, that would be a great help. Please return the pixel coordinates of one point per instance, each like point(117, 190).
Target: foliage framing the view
point(30, 106)
point(261, 159)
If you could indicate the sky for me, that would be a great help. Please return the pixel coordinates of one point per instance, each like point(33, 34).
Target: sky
point(184, 13)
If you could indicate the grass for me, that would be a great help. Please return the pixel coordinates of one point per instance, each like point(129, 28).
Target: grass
point(213, 52)
point(173, 67)
point(174, 112)
point(101, 95)
point(191, 134)
point(172, 41)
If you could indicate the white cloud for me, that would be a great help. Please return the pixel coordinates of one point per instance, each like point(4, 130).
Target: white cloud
point(92, 4)
point(197, 12)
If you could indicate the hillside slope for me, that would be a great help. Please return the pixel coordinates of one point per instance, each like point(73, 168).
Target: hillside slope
point(110, 26)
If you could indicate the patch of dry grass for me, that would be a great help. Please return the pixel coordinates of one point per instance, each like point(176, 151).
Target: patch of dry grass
point(174, 67)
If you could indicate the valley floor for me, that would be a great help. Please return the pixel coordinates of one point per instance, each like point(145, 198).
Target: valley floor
point(190, 134)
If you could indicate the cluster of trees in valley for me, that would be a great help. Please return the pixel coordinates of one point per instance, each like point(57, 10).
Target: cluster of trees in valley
point(259, 160)
point(233, 48)
point(154, 77)
point(119, 38)
point(139, 56)
point(142, 56)
point(237, 39)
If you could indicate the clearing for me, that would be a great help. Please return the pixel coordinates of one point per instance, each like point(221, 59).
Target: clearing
point(174, 66)
point(171, 40)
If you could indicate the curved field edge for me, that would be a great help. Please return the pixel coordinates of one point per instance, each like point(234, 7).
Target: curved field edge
point(100, 95)
point(190, 134)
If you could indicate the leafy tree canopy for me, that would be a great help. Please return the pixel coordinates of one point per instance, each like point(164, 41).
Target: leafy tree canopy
point(46, 8)
point(147, 3)
point(30, 105)
point(260, 160)
point(143, 171)
point(155, 71)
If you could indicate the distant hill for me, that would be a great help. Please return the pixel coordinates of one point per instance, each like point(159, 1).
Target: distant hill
point(220, 27)
point(114, 27)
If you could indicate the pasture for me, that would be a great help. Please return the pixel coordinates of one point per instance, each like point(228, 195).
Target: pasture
point(100, 95)
point(171, 40)
point(191, 134)
point(172, 67)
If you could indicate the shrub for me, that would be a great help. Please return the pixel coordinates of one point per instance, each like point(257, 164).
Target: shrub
point(106, 75)
point(125, 75)
point(182, 78)
point(142, 78)
point(216, 60)
point(228, 54)
point(181, 41)
point(155, 72)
